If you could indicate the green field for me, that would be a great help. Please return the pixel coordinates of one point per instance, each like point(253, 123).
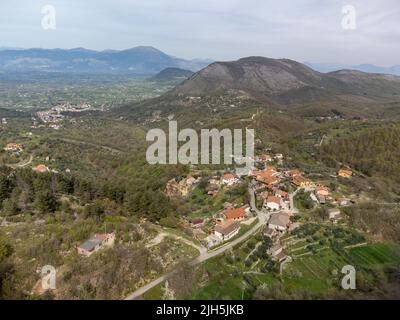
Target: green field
point(376, 254)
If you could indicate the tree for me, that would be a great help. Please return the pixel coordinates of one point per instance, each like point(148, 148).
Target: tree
point(45, 201)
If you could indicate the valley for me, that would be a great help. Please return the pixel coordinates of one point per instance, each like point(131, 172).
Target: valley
point(324, 191)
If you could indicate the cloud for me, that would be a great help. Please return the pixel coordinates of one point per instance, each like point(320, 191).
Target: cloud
point(305, 30)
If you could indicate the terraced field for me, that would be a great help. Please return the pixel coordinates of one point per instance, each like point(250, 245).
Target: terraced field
point(376, 254)
point(320, 271)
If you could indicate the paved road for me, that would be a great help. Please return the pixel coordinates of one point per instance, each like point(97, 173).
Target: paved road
point(262, 219)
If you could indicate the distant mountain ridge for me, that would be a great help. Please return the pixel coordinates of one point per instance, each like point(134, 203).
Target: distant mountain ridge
point(285, 81)
point(140, 60)
point(370, 68)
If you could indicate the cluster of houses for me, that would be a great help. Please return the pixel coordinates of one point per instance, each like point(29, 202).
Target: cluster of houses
point(13, 147)
point(272, 187)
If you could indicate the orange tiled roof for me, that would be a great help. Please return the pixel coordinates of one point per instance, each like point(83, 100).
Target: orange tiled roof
point(274, 200)
point(235, 213)
point(345, 172)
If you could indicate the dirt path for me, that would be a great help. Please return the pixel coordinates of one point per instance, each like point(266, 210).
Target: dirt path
point(161, 236)
point(22, 164)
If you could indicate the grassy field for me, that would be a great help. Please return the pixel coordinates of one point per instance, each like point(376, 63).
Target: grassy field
point(376, 254)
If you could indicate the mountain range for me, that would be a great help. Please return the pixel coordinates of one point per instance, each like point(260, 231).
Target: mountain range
point(321, 67)
point(138, 60)
point(285, 81)
point(229, 92)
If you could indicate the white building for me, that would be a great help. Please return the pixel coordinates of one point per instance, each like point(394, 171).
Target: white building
point(229, 179)
point(227, 231)
point(273, 203)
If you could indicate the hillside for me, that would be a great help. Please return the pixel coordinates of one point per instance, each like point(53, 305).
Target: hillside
point(240, 89)
point(139, 60)
point(172, 74)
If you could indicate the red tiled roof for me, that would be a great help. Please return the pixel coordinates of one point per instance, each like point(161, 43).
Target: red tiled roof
point(228, 176)
point(274, 200)
point(235, 213)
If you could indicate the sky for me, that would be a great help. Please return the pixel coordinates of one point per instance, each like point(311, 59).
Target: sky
point(303, 30)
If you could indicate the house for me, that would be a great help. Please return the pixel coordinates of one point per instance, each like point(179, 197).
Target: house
point(97, 242)
point(273, 203)
point(227, 230)
point(229, 179)
point(237, 214)
point(270, 233)
point(276, 251)
point(264, 157)
point(321, 199)
point(294, 226)
point(197, 223)
point(334, 214)
point(268, 176)
point(281, 194)
point(15, 147)
point(214, 181)
point(301, 182)
point(343, 201)
point(293, 173)
point(345, 173)
point(321, 191)
point(41, 168)
point(279, 156)
point(279, 221)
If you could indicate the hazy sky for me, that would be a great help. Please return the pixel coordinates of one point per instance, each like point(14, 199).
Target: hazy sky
point(304, 30)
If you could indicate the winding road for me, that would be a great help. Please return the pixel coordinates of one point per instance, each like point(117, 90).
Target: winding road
point(262, 220)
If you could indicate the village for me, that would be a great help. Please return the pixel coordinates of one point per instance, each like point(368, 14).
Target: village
point(272, 190)
point(273, 205)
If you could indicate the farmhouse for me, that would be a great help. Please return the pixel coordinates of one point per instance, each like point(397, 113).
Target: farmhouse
point(334, 214)
point(41, 168)
point(345, 173)
point(15, 147)
point(269, 176)
point(270, 233)
point(321, 191)
point(197, 223)
point(276, 251)
point(343, 201)
point(279, 221)
point(273, 203)
point(301, 182)
point(227, 230)
point(235, 214)
point(95, 243)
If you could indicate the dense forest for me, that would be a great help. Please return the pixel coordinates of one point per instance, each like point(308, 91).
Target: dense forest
point(25, 191)
point(373, 151)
